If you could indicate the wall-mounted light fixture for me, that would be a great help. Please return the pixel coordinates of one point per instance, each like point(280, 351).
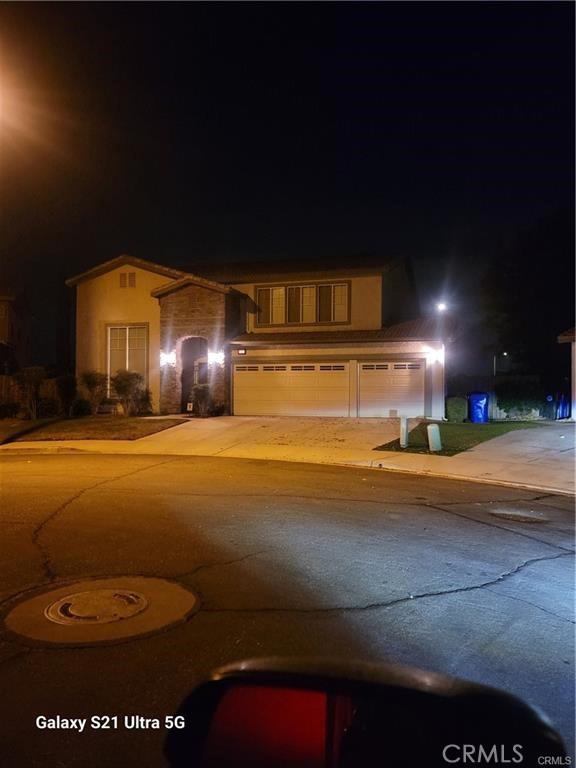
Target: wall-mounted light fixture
point(168, 358)
point(216, 358)
point(436, 355)
point(241, 351)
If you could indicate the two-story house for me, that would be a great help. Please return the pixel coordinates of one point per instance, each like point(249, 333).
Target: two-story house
point(270, 338)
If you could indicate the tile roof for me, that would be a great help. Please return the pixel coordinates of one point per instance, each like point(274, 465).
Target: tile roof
point(421, 329)
point(273, 270)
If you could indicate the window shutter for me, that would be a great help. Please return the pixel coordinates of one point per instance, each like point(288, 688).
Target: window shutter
point(340, 303)
point(263, 302)
point(308, 304)
point(278, 306)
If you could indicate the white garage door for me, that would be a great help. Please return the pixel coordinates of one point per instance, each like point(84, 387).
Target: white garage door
point(391, 389)
point(292, 389)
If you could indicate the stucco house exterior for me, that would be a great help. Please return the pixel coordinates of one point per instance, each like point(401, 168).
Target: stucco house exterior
point(568, 337)
point(326, 339)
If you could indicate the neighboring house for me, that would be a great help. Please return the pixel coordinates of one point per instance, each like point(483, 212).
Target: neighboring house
point(269, 338)
point(13, 335)
point(567, 337)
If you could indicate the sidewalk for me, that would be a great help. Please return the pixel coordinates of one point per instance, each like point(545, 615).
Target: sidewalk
point(541, 458)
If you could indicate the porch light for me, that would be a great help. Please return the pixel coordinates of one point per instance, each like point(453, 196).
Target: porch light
point(168, 358)
point(241, 351)
point(216, 358)
point(436, 355)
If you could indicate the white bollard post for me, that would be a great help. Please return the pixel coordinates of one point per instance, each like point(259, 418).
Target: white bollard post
point(434, 442)
point(403, 432)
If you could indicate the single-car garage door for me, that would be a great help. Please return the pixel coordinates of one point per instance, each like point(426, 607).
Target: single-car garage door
point(391, 388)
point(292, 389)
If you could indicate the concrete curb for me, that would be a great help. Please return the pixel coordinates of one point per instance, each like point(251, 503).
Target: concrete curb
point(368, 464)
point(466, 479)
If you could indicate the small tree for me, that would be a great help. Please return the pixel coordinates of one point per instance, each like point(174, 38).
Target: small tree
point(129, 386)
point(96, 384)
point(29, 381)
point(66, 386)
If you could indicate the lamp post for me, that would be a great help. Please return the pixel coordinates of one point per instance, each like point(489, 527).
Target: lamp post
point(494, 371)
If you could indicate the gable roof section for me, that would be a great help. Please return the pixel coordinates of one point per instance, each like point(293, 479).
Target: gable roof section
point(121, 261)
point(188, 279)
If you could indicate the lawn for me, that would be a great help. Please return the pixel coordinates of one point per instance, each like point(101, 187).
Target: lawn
point(98, 428)
point(455, 437)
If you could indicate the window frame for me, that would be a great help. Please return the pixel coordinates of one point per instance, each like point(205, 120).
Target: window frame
point(301, 285)
point(126, 326)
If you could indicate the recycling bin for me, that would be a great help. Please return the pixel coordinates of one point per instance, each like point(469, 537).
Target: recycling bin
point(478, 403)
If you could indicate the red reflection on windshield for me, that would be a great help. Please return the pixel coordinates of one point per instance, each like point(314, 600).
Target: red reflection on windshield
point(261, 727)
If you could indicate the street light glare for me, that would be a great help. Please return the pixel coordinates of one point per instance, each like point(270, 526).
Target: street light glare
point(441, 306)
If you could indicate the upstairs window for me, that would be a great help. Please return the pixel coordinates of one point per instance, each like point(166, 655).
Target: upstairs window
point(303, 304)
point(127, 279)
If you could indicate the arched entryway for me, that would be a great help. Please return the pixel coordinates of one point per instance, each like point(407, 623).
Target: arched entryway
point(193, 359)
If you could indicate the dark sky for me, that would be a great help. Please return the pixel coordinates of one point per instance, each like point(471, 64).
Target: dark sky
point(185, 132)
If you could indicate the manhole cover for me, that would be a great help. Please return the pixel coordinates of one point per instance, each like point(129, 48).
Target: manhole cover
point(97, 606)
point(101, 610)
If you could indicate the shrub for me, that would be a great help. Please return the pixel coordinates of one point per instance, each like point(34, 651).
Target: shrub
point(66, 387)
point(9, 410)
point(29, 381)
point(519, 395)
point(129, 387)
point(456, 409)
point(202, 402)
point(96, 384)
point(80, 407)
point(48, 408)
point(217, 408)
point(144, 403)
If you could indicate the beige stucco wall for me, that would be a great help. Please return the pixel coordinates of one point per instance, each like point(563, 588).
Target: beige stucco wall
point(101, 302)
point(365, 306)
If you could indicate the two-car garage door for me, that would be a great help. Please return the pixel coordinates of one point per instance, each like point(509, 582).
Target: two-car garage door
point(382, 388)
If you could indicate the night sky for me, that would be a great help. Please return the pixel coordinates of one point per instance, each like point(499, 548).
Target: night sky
point(183, 133)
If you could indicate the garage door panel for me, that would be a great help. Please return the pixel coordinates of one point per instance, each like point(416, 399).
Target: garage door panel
point(391, 389)
point(299, 389)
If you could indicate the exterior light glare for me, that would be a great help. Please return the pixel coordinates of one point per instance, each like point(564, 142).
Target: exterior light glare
point(216, 358)
point(241, 351)
point(441, 306)
point(436, 355)
point(168, 358)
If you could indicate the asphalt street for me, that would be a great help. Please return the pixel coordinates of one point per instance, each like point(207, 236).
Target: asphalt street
point(287, 559)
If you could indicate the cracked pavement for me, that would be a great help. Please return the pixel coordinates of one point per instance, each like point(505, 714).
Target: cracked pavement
point(288, 559)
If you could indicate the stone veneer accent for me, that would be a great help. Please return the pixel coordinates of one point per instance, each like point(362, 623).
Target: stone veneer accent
point(192, 310)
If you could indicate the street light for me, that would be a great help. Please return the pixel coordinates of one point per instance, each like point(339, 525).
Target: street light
point(494, 361)
point(441, 306)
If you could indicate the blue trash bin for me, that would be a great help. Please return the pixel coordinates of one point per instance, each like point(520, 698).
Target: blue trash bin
point(478, 407)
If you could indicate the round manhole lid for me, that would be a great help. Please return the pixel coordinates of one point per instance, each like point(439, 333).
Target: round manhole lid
point(97, 606)
point(101, 610)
